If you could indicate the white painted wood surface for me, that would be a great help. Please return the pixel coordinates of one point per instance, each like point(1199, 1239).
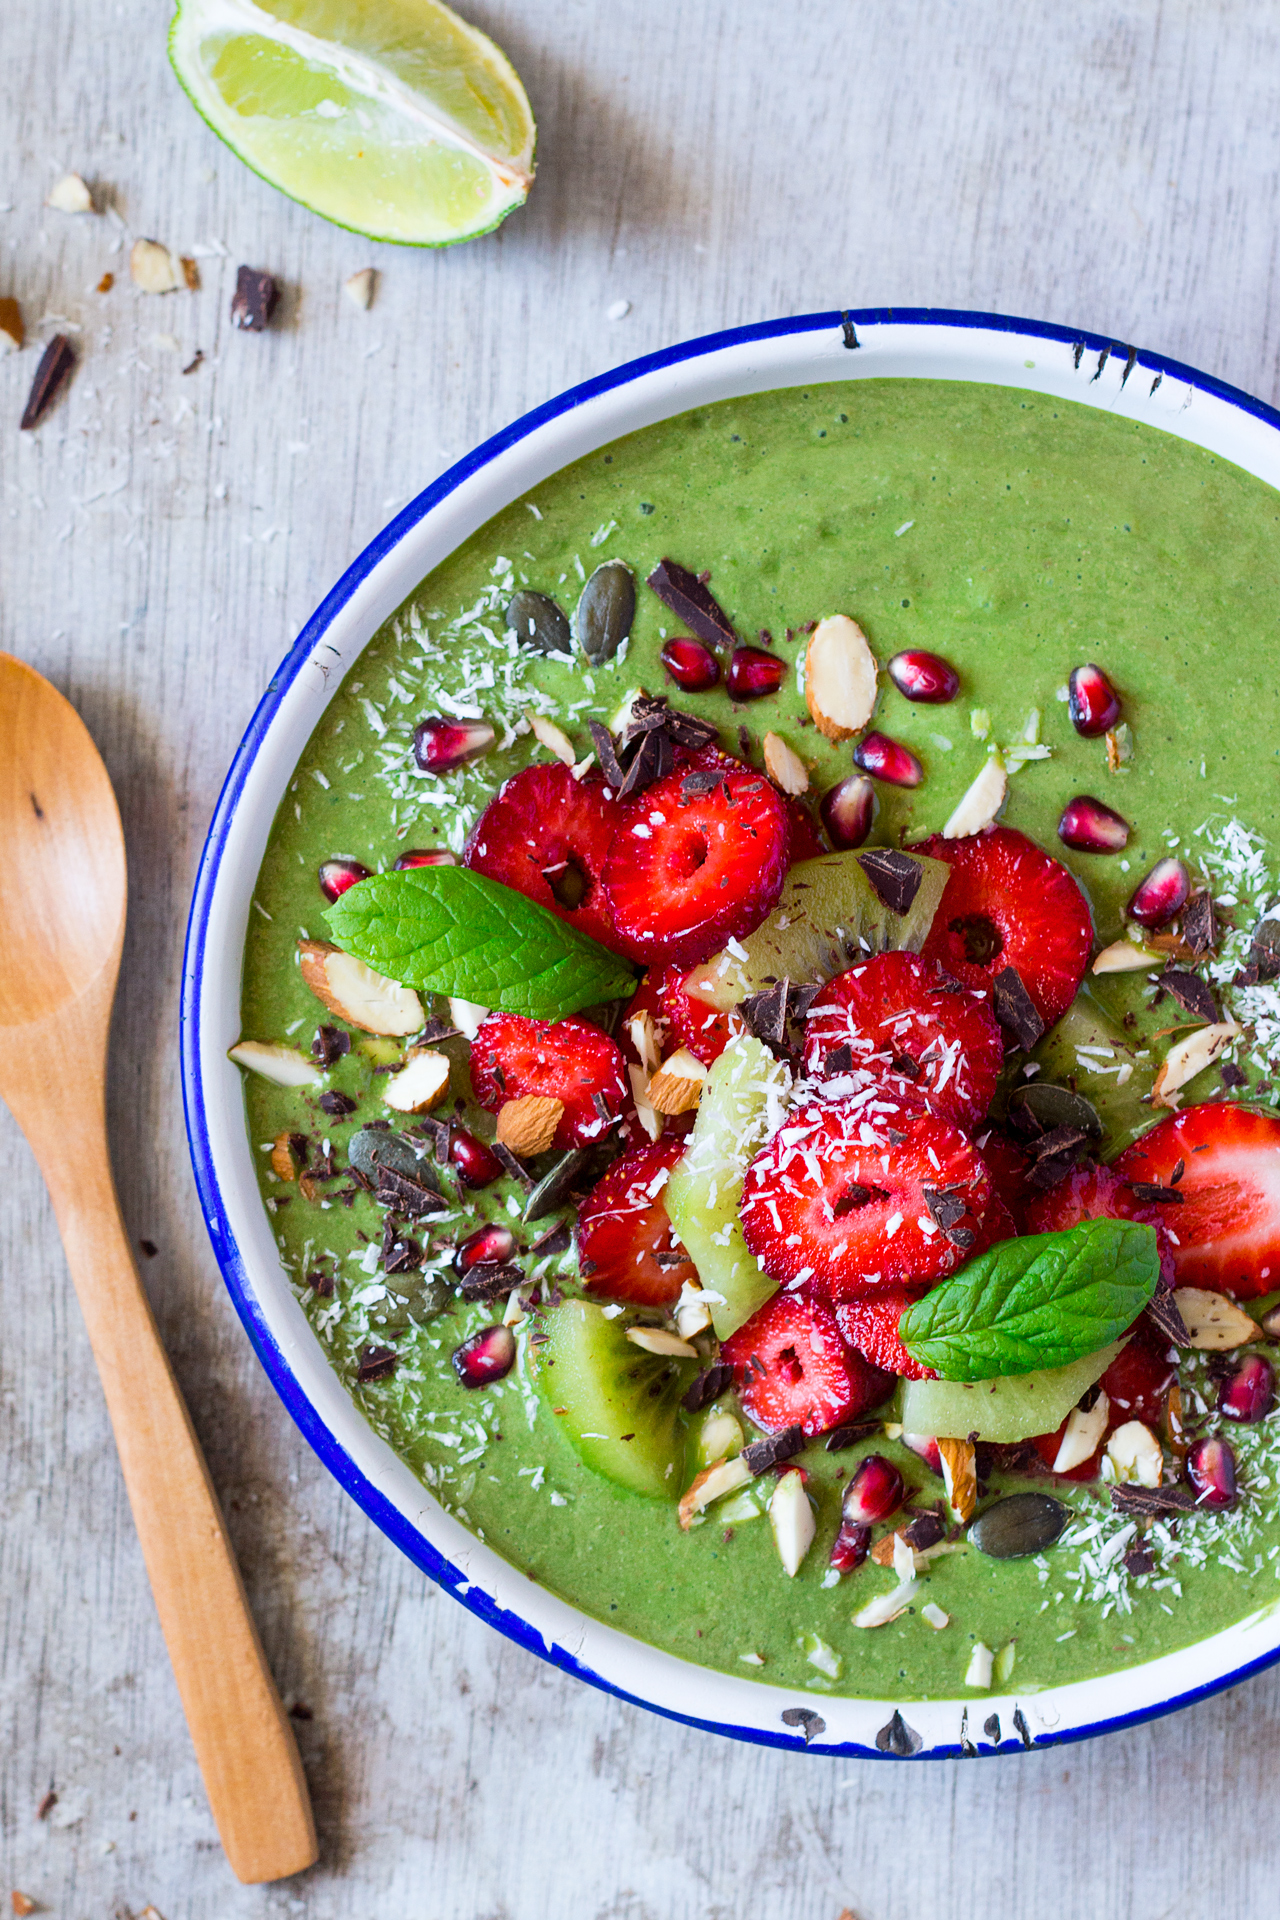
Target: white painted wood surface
point(161, 538)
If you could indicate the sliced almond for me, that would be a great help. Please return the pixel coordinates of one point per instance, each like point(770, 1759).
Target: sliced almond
point(978, 1671)
point(552, 737)
point(879, 1612)
point(648, 1116)
point(527, 1126)
point(1214, 1323)
point(12, 331)
point(658, 1340)
point(154, 268)
point(959, 1476)
point(421, 1083)
point(359, 287)
point(1083, 1435)
point(356, 993)
point(791, 1518)
point(692, 1313)
point(467, 1017)
point(284, 1162)
point(784, 766)
point(285, 1065)
point(70, 195)
point(934, 1617)
point(642, 1031)
point(1189, 1057)
point(1136, 1456)
point(725, 1476)
point(1124, 956)
point(677, 1085)
point(981, 803)
point(839, 678)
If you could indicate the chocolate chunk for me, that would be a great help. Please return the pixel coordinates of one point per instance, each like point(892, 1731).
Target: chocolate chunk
point(840, 1060)
point(329, 1045)
point(811, 1723)
point(1157, 1196)
point(708, 1387)
point(1265, 955)
point(403, 1195)
point(1139, 1560)
point(647, 713)
point(254, 300)
point(557, 1239)
point(1231, 1075)
point(775, 1447)
point(692, 603)
point(516, 1168)
point(489, 1281)
point(375, 1363)
point(400, 1253)
point(1155, 1501)
point(691, 730)
point(644, 769)
point(606, 753)
point(945, 1209)
point(895, 877)
point(765, 1014)
point(1015, 1009)
point(434, 1030)
point(1199, 925)
point(437, 1132)
point(1162, 1311)
point(1052, 1170)
point(321, 1282)
point(897, 1737)
point(841, 1437)
point(924, 1530)
point(699, 780)
point(1193, 995)
point(336, 1105)
point(56, 364)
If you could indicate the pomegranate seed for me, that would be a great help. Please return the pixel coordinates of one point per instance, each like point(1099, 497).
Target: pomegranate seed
point(1090, 827)
point(1162, 894)
point(927, 1448)
point(489, 1246)
point(852, 1544)
point(477, 1164)
point(487, 1356)
point(924, 676)
point(1092, 701)
point(1211, 1469)
point(692, 666)
point(752, 673)
point(1249, 1393)
point(425, 857)
point(875, 1491)
point(442, 746)
point(888, 760)
point(337, 875)
point(848, 811)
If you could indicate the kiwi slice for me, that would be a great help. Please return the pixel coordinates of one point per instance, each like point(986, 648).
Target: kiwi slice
point(828, 917)
point(1016, 1408)
point(618, 1406)
point(705, 1189)
point(1086, 1049)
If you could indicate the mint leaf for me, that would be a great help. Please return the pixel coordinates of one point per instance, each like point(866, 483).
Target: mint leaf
point(448, 930)
point(1042, 1300)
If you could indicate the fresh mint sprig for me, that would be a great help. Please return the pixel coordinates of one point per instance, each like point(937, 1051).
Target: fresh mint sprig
point(1042, 1300)
point(448, 930)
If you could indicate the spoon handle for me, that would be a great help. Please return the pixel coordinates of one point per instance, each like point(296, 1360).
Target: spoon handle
point(243, 1742)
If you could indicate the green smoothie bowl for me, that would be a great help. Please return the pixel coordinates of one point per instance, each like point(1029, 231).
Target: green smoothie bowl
point(731, 1014)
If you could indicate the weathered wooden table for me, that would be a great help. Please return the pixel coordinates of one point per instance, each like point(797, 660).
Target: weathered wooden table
point(163, 535)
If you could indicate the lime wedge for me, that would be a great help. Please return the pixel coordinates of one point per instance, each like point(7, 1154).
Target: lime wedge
point(391, 117)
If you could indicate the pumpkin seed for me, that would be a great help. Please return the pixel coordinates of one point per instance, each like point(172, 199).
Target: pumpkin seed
point(374, 1147)
point(606, 611)
point(1051, 1107)
point(1021, 1524)
point(554, 1188)
point(539, 623)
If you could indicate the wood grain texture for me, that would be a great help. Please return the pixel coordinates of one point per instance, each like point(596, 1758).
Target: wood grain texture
point(162, 536)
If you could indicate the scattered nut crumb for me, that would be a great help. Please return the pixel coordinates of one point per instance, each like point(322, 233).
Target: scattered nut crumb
point(12, 331)
point(106, 283)
point(70, 195)
point(527, 1126)
point(359, 288)
point(284, 1163)
point(784, 766)
point(47, 1805)
point(190, 273)
point(22, 1902)
point(154, 268)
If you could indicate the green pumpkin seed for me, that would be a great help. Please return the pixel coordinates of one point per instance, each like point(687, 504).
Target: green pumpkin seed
point(606, 611)
point(538, 623)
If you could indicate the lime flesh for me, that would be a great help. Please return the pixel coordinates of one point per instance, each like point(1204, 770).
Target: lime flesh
point(1017, 1408)
point(391, 117)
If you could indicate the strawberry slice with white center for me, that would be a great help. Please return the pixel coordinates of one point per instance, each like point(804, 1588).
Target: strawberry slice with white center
point(1101, 1193)
point(1224, 1163)
point(1007, 904)
point(547, 835)
point(899, 1016)
point(792, 1369)
point(862, 1193)
point(570, 1061)
point(700, 1027)
point(627, 1249)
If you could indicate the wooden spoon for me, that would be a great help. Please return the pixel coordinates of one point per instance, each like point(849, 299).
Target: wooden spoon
point(61, 929)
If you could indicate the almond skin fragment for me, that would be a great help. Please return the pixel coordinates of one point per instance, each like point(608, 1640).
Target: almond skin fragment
point(12, 331)
point(839, 678)
point(527, 1126)
point(677, 1085)
point(421, 1083)
point(959, 1476)
point(283, 1164)
point(784, 766)
point(356, 993)
point(1214, 1323)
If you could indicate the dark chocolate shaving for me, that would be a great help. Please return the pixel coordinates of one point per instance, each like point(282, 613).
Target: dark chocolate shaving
point(1139, 1560)
point(691, 602)
point(1015, 1009)
point(403, 1195)
point(254, 300)
point(1153, 1501)
point(321, 1282)
point(894, 877)
point(708, 1387)
point(437, 1132)
point(375, 1363)
point(606, 754)
point(699, 780)
point(1199, 925)
point(329, 1045)
point(1193, 995)
point(516, 1168)
point(765, 1014)
point(400, 1253)
point(490, 1281)
point(1162, 1311)
point(945, 1209)
point(775, 1447)
point(841, 1437)
point(336, 1105)
point(1232, 1076)
point(1057, 1141)
point(1157, 1196)
point(840, 1060)
point(689, 730)
point(557, 1239)
point(56, 364)
point(434, 1030)
point(645, 766)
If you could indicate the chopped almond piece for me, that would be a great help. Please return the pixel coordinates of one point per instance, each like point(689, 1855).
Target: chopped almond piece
point(642, 1030)
point(356, 993)
point(528, 1125)
point(1083, 1435)
point(283, 1160)
point(839, 678)
point(154, 268)
point(648, 1116)
point(1214, 1323)
point(784, 766)
point(658, 1340)
point(677, 1085)
point(70, 195)
point(1190, 1057)
point(421, 1083)
point(552, 737)
point(359, 287)
point(723, 1476)
point(981, 801)
point(285, 1065)
point(959, 1476)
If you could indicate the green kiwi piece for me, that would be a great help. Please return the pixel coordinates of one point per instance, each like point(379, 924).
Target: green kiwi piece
point(1017, 1408)
point(617, 1406)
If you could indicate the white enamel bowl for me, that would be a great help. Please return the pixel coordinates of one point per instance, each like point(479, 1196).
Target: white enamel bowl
point(815, 348)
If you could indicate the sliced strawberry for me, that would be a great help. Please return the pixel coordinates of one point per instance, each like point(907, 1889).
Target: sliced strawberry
point(792, 1368)
point(804, 842)
point(871, 1326)
point(1137, 1386)
point(1008, 1166)
point(646, 999)
point(1098, 1193)
point(697, 1026)
point(626, 1247)
point(899, 1015)
point(997, 1224)
point(571, 1061)
point(1226, 1227)
point(843, 1190)
point(687, 870)
point(1048, 1445)
point(547, 835)
point(1007, 904)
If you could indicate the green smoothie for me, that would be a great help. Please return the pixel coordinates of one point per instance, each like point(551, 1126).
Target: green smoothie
point(1018, 537)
